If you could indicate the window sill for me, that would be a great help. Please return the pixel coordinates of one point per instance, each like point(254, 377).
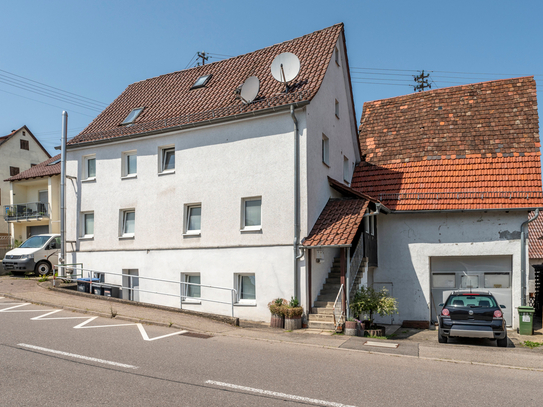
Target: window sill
point(337, 117)
point(127, 237)
point(191, 302)
point(245, 303)
point(192, 234)
point(326, 164)
point(132, 176)
point(87, 237)
point(89, 180)
point(168, 172)
point(252, 229)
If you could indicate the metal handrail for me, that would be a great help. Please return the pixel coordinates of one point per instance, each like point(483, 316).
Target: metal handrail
point(356, 261)
point(26, 210)
point(338, 320)
point(181, 296)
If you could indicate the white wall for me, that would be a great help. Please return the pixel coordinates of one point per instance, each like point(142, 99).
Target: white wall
point(407, 241)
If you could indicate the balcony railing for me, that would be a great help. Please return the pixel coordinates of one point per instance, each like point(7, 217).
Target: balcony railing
point(26, 211)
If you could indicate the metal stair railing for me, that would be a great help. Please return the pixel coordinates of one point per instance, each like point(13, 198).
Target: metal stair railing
point(339, 315)
point(356, 261)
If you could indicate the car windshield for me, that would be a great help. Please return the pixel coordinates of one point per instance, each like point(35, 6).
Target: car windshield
point(472, 300)
point(35, 242)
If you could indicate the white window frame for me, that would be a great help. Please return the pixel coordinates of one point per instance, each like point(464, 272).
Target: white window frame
point(84, 234)
point(188, 209)
point(346, 170)
point(244, 227)
point(86, 160)
point(185, 288)
point(124, 164)
point(122, 223)
point(325, 145)
point(162, 155)
point(237, 285)
point(336, 108)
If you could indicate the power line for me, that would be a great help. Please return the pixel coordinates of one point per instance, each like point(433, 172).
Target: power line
point(47, 94)
point(48, 104)
point(52, 87)
point(379, 83)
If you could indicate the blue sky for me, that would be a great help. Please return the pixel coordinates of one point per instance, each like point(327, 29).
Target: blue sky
point(95, 49)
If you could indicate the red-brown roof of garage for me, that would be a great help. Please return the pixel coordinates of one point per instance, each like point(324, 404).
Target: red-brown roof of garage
point(462, 148)
point(338, 223)
point(169, 102)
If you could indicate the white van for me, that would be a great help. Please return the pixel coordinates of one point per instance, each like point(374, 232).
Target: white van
point(37, 254)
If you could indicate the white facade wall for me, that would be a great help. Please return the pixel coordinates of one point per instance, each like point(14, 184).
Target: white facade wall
point(216, 166)
point(11, 155)
point(407, 241)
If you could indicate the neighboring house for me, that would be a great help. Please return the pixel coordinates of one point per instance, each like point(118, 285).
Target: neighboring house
point(178, 179)
point(19, 151)
point(34, 206)
point(535, 289)
point(460, 169)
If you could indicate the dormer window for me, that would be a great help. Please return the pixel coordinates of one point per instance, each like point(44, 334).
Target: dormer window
point(132, 116)
point(201, 82)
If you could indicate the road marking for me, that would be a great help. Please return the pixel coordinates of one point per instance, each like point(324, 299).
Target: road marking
point(146, 337)
point(22, 310)
point(280, 395)
point(73, 355)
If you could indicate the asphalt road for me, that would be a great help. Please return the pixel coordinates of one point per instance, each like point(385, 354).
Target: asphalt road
point(46, 362)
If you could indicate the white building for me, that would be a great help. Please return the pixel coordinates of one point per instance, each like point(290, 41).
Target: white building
point(179, 179)
point(19, 151)
point(460, 170)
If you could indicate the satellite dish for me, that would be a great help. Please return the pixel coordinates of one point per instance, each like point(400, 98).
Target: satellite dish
point(249, 89)
point(285, 67)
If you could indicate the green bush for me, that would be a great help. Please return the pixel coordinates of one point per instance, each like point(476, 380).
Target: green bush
point(367, 300)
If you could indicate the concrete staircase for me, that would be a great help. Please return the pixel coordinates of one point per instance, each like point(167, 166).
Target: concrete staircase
point(321, 316)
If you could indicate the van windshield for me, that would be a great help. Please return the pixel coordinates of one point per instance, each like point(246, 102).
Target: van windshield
point(35, 242)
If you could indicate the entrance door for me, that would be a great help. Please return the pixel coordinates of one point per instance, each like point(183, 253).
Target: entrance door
point(131, 285)
point(387, 319)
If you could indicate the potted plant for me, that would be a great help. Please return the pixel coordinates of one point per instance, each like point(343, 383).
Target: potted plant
point(293, 315)
point(351, 327)
point(368, 301)
point(276, 308)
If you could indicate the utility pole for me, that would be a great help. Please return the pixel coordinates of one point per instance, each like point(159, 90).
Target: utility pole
point(202, 55)
point(422, 82)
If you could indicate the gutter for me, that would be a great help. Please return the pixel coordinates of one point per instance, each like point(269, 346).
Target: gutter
point(188, 126)
point(523, 257)
point(466, 210)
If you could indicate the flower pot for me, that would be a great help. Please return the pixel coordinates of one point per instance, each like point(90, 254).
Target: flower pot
point(293, 323)
point(277, 321)
point(376, 330)
point(351, 328)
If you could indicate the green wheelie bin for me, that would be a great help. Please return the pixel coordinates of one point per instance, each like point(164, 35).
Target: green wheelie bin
point(526, 320)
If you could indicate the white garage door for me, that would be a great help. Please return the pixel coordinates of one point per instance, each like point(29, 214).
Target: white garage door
point(482, 273)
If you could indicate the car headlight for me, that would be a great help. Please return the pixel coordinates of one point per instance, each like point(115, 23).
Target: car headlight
point(27, 256)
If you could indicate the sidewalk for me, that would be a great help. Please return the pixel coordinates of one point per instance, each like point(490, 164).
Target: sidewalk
point(411, 342)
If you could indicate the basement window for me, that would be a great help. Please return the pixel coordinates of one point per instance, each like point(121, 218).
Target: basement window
point(132, 116)
point(201, 82)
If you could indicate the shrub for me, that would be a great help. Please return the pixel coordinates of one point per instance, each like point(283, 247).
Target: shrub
point(367, 300)
point(277, 306)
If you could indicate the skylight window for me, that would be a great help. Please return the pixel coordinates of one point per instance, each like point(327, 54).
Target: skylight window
point(132, 116)
point(201, 82)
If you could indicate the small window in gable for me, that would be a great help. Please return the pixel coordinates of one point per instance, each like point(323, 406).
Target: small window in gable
point(325, 149)
point(24, 145)
point(132, 116)
point(201, 82)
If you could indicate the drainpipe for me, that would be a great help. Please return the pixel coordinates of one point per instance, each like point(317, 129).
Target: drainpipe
point(296, 199)
point(523, 257)
point(62, 259)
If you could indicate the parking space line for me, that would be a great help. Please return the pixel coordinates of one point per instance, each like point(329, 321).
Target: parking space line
point(279, 395)
point(73, 355)
point(146, 337)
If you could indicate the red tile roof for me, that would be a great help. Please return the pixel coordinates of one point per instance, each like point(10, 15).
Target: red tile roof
point(43, 169)
point(535, 236)
point(338, 222)
point(6, 138)
point(169, 102)
point(461, 148)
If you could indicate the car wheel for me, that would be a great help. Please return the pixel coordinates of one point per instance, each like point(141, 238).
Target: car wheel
point(43, 268)
point(502, 343)
point(441, 338)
